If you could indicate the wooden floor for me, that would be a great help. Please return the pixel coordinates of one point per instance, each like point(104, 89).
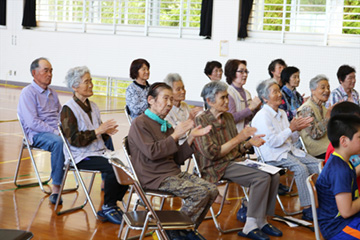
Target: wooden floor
point(29, 208)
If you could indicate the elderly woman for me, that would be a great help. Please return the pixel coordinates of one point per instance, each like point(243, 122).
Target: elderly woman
point(213, 70)
point(80, 119)
point(218, 152)
point(315, 136)
point(241, 106)
point(292, 99)
point(156, 154)
point(345, 92)
point(280, 137)
point(180, 111)
point(137, 91)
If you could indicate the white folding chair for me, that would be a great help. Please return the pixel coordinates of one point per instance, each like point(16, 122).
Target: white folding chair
point(262, 159)
point(71, 166)
point(213, 215)
point(26, 144)
point(148, 219)
point(310, 183)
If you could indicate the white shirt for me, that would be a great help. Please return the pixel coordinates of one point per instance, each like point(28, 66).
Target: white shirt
point(278, 136)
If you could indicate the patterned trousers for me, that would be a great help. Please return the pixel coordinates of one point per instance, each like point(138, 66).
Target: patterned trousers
point(197, 194)
point(302, 168)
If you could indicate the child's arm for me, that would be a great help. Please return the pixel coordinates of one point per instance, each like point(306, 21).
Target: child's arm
point(347, 207)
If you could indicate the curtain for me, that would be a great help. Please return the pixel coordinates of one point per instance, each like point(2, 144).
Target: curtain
point(29, 17)
point(3, 12)
point(206, 18)
point(246, 6)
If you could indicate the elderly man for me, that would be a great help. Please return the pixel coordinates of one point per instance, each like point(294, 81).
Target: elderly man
point(220, 149)
point(39, 109)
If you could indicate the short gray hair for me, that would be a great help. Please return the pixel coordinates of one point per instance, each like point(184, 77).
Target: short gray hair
point(210, 90)
point(35, 64)
point(171, 78)
point(263, 89)
point(315, 81)
point(74, 75)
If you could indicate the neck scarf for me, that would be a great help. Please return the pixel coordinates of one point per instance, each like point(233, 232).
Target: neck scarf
point(164, 124)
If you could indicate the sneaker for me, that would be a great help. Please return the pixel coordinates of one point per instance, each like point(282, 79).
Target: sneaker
point(53, 197)
point(307, 214)
point(112, 215)
point(241, 214)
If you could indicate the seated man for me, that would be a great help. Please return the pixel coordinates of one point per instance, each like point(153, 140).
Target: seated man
point(280, 136)
point(39, 109)
point(218, 152)
point(156, 154)
point(338, 194)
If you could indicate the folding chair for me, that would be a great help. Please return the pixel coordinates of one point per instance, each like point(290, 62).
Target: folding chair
point(213, 215)
point(154, 193)
point(127, 114)
point(26, 144)
point(15, 234)
point(310, 183)
point(262, 159)
point(70, 165)
point(148, 219)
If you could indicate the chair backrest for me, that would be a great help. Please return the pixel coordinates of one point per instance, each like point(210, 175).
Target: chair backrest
point(25, 138)
point(126, 148)
point(127, 114)
point(310, 183)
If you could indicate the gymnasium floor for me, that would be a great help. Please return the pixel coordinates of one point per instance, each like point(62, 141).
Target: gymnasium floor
point(29, 208)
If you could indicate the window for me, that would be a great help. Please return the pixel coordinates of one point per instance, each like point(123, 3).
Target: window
point(321, 22)
point(180, 18)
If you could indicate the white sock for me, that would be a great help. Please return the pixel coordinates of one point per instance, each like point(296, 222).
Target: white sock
point(250, 225)
point(261, 222)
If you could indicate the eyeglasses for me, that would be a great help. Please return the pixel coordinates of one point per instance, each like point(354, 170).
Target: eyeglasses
point(243, 71)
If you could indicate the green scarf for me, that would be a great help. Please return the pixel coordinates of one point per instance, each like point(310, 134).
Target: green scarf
point(164, 124)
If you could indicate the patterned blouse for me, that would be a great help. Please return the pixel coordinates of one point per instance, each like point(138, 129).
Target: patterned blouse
point(136, 98)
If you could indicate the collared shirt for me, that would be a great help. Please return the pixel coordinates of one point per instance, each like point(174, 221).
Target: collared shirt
point(278, 136)
point(38, 110)
point(178, 115)
point(212, 165)
point(339, 94)
point(70, 126)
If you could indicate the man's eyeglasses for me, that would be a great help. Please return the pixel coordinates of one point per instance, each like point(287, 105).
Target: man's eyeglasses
point(243, 71)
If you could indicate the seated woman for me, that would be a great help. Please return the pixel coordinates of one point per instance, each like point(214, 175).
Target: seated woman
point(315, 136)
point(218, 152)
point(137, 91)
point(83, 129)
point(180, 111)
point(346, 91)
point(280, 137)
point(213, 70)
point(241, 106)
point(292, 99)
point(155, 154)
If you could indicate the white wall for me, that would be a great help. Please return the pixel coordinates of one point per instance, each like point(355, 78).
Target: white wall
point(111, 55)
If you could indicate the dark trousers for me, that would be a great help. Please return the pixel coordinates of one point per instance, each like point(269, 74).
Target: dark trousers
point(113, 190)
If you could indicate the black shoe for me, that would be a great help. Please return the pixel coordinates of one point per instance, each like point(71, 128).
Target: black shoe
point(53, 197)
point(255, 234)
point(175, 235)
point(307, 214)
point(281, 192)
point(271, 230)
point(283, 187)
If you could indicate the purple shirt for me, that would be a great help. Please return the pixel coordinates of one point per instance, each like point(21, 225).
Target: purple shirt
point(38, 110)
